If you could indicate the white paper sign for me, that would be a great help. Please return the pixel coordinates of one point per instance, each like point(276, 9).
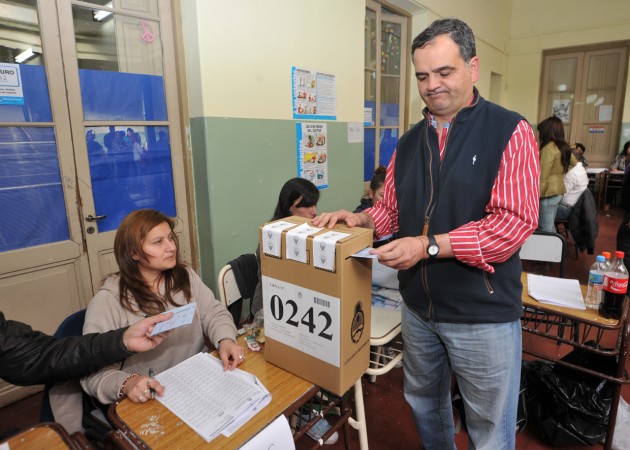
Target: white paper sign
point(272, 235)
point(296, 242)
point(306, 320)
point(324, 249)
point(355, 132)
point(276, 435)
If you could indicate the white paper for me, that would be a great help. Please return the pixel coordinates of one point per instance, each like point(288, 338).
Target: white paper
point(296, 242)
point(555, 291)
point(181, 316)
point(365, 253)
point(355, 132)
point(5, 446)
point(272, 235)
point(596, 170)
point(210, 400)
point(324, 249)
point(605, 113)
point(303, 319)
point(277, 435)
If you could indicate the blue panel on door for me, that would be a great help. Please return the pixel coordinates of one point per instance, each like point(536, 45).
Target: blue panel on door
point(31, 193)
point(122, 96)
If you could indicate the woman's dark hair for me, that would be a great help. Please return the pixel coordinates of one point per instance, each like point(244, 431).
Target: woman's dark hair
point(625, 148)
point(130, 235)
point(458, 31)
point(552, 130)
point(378, 179)
point(295, 188)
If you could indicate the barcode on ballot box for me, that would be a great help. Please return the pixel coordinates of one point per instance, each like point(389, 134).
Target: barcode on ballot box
point(322, 302)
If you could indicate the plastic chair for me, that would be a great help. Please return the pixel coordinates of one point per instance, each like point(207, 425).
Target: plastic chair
point(545, 247)
point(237, 281)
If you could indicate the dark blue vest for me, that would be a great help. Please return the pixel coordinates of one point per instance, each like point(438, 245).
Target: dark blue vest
point(447, 194)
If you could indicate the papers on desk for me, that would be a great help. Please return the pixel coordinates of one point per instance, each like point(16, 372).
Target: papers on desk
point(209, 400)
point(555, 291)
point(386, 298)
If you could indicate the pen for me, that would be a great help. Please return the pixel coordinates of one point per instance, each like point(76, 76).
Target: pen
point(151, 374)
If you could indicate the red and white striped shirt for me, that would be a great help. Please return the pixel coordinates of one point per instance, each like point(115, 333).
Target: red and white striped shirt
point(512, 212)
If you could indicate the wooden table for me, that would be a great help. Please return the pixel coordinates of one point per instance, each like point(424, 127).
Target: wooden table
point(49, 436)
point(553, 322)
point(152, 425)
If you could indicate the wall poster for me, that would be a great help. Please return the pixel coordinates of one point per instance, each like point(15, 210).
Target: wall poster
point(314, 95)
point(312, 152)
point(10, 85)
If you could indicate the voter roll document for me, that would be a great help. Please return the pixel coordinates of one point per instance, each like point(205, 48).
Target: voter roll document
point(181, 316)
point(210, 400)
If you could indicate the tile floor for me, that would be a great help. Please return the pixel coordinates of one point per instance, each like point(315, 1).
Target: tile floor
point(389, 421)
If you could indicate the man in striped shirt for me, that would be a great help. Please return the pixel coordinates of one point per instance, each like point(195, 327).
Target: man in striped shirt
point(462, 191)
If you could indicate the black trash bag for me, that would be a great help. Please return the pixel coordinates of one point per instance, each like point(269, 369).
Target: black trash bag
point(570, 407)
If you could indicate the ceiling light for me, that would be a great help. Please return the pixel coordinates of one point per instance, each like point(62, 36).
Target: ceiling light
point(99, 16)
point(25, 55)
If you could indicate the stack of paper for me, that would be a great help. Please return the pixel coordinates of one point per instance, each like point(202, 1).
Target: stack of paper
point(386, 298)
point(555, 291)
point(211, 401)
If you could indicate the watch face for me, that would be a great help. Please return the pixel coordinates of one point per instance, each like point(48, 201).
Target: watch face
point(433, 250)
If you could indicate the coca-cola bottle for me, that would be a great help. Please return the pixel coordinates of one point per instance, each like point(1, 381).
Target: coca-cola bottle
point(614, 288)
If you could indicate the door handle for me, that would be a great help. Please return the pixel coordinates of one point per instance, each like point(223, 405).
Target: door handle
point(92, 218)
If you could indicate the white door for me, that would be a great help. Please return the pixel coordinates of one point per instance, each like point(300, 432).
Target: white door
point(88, 132)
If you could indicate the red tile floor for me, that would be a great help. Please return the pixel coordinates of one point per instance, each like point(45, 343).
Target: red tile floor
point(389, 421)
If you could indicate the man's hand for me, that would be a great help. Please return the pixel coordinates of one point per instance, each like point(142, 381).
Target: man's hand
point(231, 354)
point(137, 339)
point(351, 219)
point(402, 253)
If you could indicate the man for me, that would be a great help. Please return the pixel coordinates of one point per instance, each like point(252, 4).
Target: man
point(462, 190)
point(30, 357)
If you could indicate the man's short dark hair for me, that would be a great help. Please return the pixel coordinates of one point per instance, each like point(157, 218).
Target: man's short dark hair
point(458, 30)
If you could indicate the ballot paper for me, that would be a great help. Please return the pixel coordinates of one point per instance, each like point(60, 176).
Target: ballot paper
point(324, 249)
point(181, 316)
point(555, 291)
point(277, 435)
point(386, 298)
point(210, 400)
point(365, 253)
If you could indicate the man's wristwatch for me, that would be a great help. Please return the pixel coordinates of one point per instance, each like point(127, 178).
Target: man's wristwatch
point(433, 249)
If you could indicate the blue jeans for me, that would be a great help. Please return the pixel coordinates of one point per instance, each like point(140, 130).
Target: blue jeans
point(547, 213)
point(486, 359)
point(563, 212)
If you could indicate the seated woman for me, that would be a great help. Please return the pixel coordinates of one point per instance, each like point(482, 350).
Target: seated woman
point(298, 197)
point(621, 161)
point(153, 279)
point(575, 182)
point(375, 192)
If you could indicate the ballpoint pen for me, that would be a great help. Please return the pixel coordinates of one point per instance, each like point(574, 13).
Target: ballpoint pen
point(151, 375)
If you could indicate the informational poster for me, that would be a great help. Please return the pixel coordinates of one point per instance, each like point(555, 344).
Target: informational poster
point(312, 152)
point(314, 95)
point(10, 85)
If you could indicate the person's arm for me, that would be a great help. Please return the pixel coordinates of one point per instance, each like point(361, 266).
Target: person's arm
point(512, 212)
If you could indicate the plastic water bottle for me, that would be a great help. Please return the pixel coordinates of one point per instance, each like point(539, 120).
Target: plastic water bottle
point(607, 256)
point(614, 288)
point(595, 282)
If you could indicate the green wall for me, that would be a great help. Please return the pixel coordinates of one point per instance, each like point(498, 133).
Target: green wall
point(239, 166)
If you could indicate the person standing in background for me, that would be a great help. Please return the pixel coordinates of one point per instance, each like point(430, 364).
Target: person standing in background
point(555, 157)
point(462, 190)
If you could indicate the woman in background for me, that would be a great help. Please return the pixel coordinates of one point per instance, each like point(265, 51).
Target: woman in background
point(621, 161)
point(555, 157)
point(375, 192)
point(152, 279)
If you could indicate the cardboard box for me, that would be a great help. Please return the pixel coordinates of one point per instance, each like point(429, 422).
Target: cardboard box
point(317, 322)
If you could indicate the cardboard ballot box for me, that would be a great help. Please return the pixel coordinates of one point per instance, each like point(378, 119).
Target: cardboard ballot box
point(317, 301)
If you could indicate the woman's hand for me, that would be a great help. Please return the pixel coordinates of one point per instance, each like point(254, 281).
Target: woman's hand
point(231, 354)
point(138, 389)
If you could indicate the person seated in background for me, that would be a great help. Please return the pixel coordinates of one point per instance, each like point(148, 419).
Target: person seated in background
point(298, 197)
point(375, 192)
point(31, 357)
point(575, 182)
point(623, 233)
point(555, 156)
point(578, 151)
point(620, 163)
point(153, 279)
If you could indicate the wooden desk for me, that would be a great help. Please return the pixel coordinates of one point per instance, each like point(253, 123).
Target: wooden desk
point(552, 322)
point(152, 425)
point(50, 436)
